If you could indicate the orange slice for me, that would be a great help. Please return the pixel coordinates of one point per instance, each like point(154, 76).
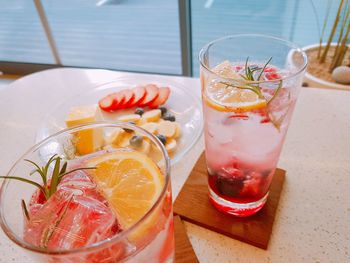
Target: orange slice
point(130, 181)
point(232, 99)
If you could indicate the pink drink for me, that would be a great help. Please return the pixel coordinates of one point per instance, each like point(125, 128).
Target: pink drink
point(80, 222)
point(242, 149)
point(246, 117)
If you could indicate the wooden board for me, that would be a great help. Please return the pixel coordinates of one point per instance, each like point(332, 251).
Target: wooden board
point(183, 249)
point(192, 204)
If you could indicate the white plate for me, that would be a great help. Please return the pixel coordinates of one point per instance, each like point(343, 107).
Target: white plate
point(185, 107)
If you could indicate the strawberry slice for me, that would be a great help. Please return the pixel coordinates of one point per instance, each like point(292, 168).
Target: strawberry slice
point(106, 104)
point(128, 98)
point(163, 96)
point(139, 95)
point(111, 102)
point(118, 100)
point(152, 94)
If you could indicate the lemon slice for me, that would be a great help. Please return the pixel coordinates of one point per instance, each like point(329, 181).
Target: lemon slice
point(232, 99)
point(130, 181)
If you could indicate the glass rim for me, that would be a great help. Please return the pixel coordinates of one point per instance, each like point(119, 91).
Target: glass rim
point(118, 237)
point(205, 49)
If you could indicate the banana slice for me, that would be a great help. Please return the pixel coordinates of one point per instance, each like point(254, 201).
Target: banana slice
point(114, 137)
point(146, 146)
point(123, 140)
point(177, 130)
point(171, 145)
point(152, 115)
point(152, 127)
point(129, 118)
point(167, 128)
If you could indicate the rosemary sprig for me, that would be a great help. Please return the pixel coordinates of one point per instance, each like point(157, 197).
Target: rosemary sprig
point(25, 210)
point(48, 188)
point(249, 76)
point(255, 89)
point(276, 92)
point(263, 69)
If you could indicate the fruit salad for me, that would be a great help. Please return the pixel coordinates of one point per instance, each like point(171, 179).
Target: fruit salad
point(143, 106)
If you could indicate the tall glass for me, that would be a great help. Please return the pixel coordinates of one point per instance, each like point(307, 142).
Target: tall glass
point(150, 239)
point(250, 84)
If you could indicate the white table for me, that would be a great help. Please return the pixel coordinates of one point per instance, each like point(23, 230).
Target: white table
point(313, 218)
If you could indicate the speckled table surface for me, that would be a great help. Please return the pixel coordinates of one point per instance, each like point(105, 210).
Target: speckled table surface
point(312, 222)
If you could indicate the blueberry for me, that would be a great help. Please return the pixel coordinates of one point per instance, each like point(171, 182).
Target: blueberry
point(229, 186)
point(169, 117)
point(139, 111)
point(162, 138)
point(136, 141)
point(163, 110)
point(129, 130)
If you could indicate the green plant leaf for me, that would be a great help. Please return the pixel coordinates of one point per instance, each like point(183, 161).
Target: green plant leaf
point(24, 180)
point(25, 210)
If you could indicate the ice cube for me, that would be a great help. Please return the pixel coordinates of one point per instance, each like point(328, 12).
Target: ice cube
point(69, 221)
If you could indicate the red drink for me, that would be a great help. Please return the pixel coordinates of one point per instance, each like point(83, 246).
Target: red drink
point(247, 108)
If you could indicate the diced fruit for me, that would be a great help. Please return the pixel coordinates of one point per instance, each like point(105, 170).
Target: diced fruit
point(151, 127)
point(81, 115)
point(170, 146)
point(128, 98)
point(163, 110)
point(129, 130)
point(229, 185)
point(115, 136)
point(139, 111)
point(252, 186)
point(129, 118)
point(145, 147)
point(130, 203)
point(163, 96)
point(169, 117)
point(178, 130)
point(122, 139)
point(167, 128)
point(152, 115)
point(89, 140)
point(162, 138)
point(140, 94)
point(151, 94)
point(136, 141)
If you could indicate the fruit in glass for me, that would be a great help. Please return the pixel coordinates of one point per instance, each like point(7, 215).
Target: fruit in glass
point(111, 205)
point(249, 92)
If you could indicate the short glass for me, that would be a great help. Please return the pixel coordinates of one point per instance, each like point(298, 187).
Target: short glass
point(150, 239)
point(250, 84)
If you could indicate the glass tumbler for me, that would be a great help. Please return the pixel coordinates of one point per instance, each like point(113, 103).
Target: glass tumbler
point(71, 225)
point(249, 84)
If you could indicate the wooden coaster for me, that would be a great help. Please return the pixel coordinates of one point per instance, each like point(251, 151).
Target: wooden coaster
point(192, 205)
point(183, 249)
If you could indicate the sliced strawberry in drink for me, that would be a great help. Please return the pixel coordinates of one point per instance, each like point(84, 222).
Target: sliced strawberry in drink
point(139, 95)
point(163, 96)
point(128, 98)
point(152, 94)
point(272, 76)
point(270, 69)
point(252, 186)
